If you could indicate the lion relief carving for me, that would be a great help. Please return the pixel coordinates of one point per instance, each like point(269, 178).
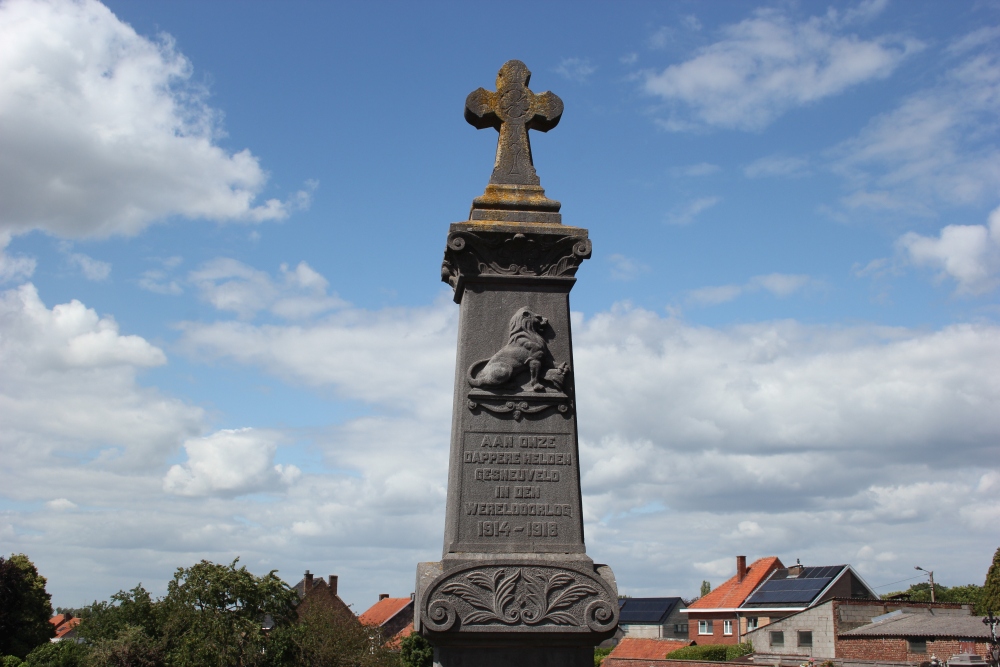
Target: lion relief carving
point(525, 349)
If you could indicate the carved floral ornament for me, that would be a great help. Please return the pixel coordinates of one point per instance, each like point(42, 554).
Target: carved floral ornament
point(504, 598)
point(472, 254)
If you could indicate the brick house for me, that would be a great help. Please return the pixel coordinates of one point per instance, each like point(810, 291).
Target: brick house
point(312, 591)
point(832, 629)
point(715, 618)
point(656, 618)
point(791, 590)
point(390, 615)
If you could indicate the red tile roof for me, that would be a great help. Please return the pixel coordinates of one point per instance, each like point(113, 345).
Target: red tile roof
point(64, 624)
point(397, 638)
point(383, 610)
point(732, 593)
point(639, 648)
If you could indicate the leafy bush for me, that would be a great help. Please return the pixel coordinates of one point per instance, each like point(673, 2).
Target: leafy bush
point(712, 652)
point(416, 651)
point(58, 654)
point(715, 652)
point(739, 650)
point(600, 654)
point(11, 661)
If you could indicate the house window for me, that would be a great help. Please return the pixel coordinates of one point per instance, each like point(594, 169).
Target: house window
point(777, 639)
point(805, 638)
point(751, 623)
point(704, 627)
point(727, 627)
point(916, 645)
point(681, 628)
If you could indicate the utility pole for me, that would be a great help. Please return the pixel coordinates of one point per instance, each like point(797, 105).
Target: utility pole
point(931, 574)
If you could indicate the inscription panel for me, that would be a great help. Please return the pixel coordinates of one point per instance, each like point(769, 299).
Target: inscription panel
point(520, 491)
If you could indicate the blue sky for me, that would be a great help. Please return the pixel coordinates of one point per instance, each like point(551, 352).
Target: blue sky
point(223, 330)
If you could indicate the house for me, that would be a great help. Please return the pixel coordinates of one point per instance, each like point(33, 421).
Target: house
point(788, 591)
point(65, 626)
point(715, 618)
point(390, 615)
point(313, 591)
point(657, 618)
point(642, 651)
point(852, 628)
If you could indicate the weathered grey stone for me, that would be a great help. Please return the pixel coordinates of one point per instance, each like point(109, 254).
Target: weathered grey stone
point(515, 585)
point(514, 193)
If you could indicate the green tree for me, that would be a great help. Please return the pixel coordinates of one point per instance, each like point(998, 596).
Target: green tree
point(415, 651)
point(990, 600)
point(58, 654)
point(103, 621)
point(213, 615)
point(131, 647)
point(325, 637)
point(25, 607)
point(706, 588)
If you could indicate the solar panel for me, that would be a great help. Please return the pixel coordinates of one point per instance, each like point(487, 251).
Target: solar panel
point(803, 589)
point(646, 610)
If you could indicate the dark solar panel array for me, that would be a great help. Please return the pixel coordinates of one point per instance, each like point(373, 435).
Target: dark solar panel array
point(646, 610)
point(779, 589)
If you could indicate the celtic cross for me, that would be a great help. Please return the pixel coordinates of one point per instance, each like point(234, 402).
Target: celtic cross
point(513, 110)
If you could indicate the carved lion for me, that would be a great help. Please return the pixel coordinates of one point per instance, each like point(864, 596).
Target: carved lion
point(525, 347)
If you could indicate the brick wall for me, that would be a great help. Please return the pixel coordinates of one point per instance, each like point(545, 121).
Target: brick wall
point(818, 621)
point(871, 648)
point(718, 635)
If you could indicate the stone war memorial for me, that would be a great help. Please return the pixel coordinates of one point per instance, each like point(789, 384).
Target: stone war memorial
point(515, 585)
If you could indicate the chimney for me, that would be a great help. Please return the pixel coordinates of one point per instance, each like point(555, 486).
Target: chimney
point(308, 581)
point(333, 584)
point(795, 570)
point(741, 568)
point(382, 596)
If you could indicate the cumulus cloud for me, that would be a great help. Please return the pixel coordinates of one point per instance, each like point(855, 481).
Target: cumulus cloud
point(231, 285)
point(696, 443)
point(968, 254)
point(938, 146)
point(778, 284)
point(69, 385)
point(770, 63)
point(104, 130)
point(230, 462)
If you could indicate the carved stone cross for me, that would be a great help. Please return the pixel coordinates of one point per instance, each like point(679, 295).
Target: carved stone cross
point(513, 110)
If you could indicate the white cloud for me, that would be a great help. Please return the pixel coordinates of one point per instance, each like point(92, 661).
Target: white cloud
point(105, 132)
point(811, 441)
point(61, 505)
point(778, 284)
point(69, 387)
point(938, 146)
point(233, 286)
point(13, 267)
point(768, 64)
point(624, 268)
point(92, 269)
point(969, 254)
point(686, 214)
point(230, 462)
point(776, 165)
point(575, 69)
